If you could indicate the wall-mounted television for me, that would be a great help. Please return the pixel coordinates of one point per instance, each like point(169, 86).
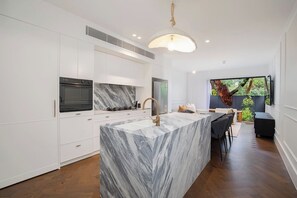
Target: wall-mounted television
point(269, 97)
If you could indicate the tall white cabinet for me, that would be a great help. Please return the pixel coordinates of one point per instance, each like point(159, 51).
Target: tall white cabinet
point(76, 128)
point(29, 88)
point(76, 58)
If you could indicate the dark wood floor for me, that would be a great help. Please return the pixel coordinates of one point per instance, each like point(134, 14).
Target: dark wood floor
point(252, 169)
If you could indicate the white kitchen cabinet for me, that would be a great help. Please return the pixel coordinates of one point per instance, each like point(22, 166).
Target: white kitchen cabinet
point(68, 57)
point(85, 68)
point(76, 135)
point(101, 119)
point(28, 84)
point(76, 129)
point(76, 113)
point(116, 70)
point(96, 134)
point(76, 149)
point(76, 58)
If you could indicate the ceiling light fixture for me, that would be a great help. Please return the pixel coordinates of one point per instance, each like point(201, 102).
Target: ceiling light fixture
point(134, 35)
point(207, 41)
point(139, 37)
point(193, 72)
point(173, 39)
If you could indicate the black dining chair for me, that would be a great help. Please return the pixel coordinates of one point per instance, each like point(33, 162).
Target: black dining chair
point(218, 130)
point(229, 127)
point(230, 130)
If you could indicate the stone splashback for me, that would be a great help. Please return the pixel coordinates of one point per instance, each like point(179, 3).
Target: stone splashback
point(108, 95)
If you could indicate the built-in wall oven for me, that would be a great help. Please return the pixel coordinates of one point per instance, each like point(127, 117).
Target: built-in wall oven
point(76, 94)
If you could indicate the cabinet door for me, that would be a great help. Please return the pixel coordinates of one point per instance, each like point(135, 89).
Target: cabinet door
point(76, 129)
point(116, 70)
point(85, 60)
point(101, 66)
point(96, 134)
point(28, 84)
point(68, 57)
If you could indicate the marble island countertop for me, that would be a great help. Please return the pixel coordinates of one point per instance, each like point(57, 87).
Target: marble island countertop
point(99, 112)
point(145, 127)
point(139, 159)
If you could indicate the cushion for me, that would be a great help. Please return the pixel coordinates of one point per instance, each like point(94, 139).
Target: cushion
point(182, 108)
point(188, 111)
point(191, 107)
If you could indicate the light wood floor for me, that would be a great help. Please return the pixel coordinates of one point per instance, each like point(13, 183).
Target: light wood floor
point(252, 169)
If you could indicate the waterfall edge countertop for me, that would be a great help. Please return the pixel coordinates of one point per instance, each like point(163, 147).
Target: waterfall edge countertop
point(139, 159)
point(100, 112)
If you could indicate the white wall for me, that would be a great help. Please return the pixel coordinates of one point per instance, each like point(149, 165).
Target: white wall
point(284, 71)
point(179, 92)
point(198, 84)
point(177, 83)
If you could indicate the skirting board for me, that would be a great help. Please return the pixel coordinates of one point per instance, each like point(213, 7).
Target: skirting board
point(288, 163)
point(28, 175)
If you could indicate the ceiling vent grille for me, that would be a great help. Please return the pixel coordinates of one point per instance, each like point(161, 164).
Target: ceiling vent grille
point(115, 41)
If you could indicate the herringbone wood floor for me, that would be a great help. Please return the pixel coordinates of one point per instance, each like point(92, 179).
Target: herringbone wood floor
point(252, 169)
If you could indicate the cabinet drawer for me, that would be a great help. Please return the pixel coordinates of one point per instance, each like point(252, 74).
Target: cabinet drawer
point(107, 117)
point(76, 129)
point(76, 149)
point(76, 114)
point(96, 143)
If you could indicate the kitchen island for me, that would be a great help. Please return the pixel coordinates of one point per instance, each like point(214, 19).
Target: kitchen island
point(139, 159)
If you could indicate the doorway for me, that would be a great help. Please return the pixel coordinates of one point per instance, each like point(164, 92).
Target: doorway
point(160, 93)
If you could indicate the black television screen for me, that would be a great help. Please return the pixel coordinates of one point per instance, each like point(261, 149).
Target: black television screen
point(269, 91)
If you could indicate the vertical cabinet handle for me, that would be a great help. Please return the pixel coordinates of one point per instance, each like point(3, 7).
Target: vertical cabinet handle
point(55, 113)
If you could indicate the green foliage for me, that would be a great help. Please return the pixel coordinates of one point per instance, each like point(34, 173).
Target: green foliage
point(267, 100)
point(214, 92)
point(247, 114)
point(247, 102)
point(258, 87)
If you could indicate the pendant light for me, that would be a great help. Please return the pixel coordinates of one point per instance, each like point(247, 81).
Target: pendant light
point(173, 39)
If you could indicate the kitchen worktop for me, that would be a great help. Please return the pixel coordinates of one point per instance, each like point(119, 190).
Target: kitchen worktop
point(139, 159)
point(100, 112)
point(145, 127)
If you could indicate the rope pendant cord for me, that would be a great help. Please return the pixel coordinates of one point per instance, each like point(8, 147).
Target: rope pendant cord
point(172, 20)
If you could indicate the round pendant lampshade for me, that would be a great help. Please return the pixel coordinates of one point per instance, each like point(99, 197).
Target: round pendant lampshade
point(174, 40)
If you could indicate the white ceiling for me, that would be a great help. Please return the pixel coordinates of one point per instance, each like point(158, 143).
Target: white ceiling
point(242, 32)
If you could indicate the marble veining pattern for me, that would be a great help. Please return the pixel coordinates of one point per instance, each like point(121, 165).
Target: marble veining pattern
point(154, 162)
point(108, 95)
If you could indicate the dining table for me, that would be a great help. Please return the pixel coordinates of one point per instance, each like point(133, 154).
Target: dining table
point(214, 116)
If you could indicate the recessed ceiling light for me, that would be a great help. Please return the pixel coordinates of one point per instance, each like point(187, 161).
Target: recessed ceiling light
point(193, 72)
point(139, 37)
point(134, 35)
point(207, 41)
